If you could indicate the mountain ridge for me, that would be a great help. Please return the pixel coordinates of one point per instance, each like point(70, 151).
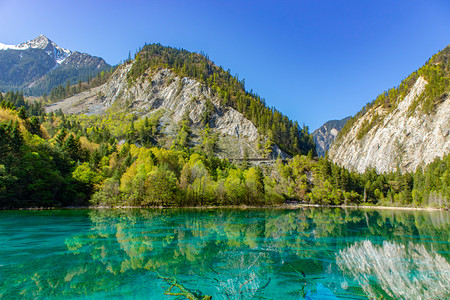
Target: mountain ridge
point(44, 43)
point(38, 65)
point(180, 81)
point(174, 98)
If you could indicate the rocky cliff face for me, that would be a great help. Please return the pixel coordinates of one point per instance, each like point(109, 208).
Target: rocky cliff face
point(326, 134)
point(405, 136)
point(164, 91)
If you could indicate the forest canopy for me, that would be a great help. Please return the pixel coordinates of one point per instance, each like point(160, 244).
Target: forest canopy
point(47, 160)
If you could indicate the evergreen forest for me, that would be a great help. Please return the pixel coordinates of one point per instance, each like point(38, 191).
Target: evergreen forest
point(53, 160)
point(58, 160)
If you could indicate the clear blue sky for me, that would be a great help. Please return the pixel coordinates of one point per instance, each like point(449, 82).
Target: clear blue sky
point(313, 60)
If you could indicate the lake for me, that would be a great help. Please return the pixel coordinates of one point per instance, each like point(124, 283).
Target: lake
point(307, 253)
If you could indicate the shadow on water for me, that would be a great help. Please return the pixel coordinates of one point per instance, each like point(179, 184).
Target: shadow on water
point(314, 253)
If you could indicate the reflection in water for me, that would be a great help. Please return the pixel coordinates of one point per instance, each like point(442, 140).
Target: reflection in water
point(244, 283)
point(228, 254)
point(403, 272)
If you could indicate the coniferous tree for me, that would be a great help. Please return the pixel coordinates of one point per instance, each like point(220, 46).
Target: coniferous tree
point(22, 113)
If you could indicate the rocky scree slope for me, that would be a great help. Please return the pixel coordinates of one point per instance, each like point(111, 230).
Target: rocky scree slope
point(39, 65)
point(162, 91)
point(403, 128)
point(326, 134)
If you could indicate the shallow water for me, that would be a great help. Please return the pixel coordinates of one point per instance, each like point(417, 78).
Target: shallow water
point(312, 253)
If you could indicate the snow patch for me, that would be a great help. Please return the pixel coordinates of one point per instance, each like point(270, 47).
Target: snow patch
point(6, 47)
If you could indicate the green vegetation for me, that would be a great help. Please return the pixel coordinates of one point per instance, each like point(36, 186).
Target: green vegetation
point(427, 187)
point(35, 171)
point(123, 159)
point(64, 91)
point(77, 67)
point(436, 71)
point(16, 99)
point(366, 126)
point(19, 68)
point(285, 133)
point(54, 160)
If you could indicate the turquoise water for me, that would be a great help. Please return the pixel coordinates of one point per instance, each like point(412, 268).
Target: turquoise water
point(228, 254)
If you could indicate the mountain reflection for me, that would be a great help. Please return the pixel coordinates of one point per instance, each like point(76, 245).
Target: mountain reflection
point(238, 254)
point(402, 272)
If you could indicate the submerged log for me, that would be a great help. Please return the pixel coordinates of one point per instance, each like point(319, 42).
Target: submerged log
point(184, 292)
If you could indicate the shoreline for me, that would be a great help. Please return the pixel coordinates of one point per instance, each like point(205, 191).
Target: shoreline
point(372, 207)
point(283, 206)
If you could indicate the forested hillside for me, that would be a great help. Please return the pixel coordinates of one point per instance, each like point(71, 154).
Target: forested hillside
point(285, 133)
point(436, 72)
point(51, 160)
point(16, 71)
point(125, 158)
point(71, 88)
point(78, 67)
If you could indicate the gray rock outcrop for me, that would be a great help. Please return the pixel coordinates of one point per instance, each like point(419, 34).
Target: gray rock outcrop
point(175, 96)
point(326, 134)
point(402, 138)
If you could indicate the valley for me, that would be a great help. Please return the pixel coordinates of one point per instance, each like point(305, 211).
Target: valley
point(170, 128)
point(224, 150)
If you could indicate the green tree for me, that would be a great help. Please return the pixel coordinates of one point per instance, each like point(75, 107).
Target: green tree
point(22, 113)
point(73, 146)
point(160, 187)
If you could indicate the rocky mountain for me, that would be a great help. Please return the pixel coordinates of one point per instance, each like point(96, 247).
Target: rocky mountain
point(325, 135)
point(173, 96)
point(190, 87)
point(404, 127)
point(39, 65)
point(57, 53)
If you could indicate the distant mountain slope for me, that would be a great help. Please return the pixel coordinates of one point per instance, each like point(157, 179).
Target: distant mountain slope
point(183, 85)
point(404, 127)
point(39, 65)
point(325, 135)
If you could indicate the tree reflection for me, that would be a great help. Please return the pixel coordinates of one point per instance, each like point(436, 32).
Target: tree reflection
point(229, 254)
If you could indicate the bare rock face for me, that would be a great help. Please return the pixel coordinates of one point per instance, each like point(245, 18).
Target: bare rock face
point(402, 138)
point(181, 95)
point(176, 96)
point(326, 134)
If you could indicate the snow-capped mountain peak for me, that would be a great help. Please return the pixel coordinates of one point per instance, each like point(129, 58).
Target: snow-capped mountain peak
point(44, 43)
point(39, 65)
